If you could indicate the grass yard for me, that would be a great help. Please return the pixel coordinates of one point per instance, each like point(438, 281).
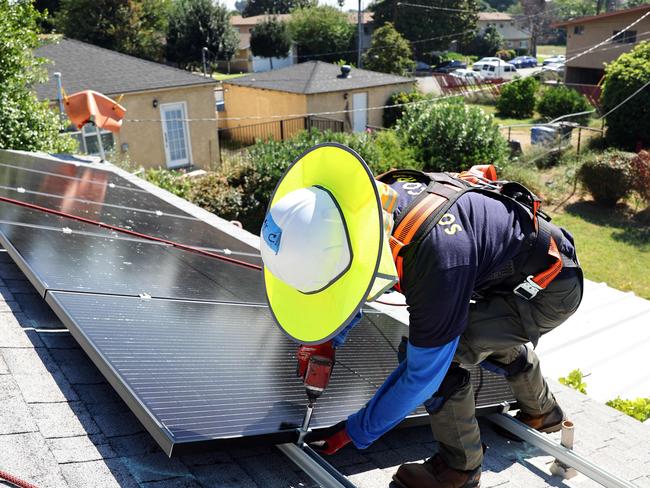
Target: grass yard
point(492, 110)
point(612, 248)
point(224, 76)
point(546, 51)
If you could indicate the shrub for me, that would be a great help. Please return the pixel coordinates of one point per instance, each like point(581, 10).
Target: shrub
point(640, 173)
point(561, 100)
point(517, 99)
point(628, 126)
point(638, 408)
point(506, 54)
point(172, 181)
point(607, 176)
point(574, 380)
point(393, 114)
point(452, 136)
point(231, 193)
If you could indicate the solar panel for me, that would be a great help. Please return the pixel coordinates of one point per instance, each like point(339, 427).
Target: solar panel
point(186, 340)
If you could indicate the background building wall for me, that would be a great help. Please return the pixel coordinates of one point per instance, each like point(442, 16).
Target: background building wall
point(144, 140)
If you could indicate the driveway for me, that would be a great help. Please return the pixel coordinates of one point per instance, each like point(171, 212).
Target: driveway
point(428, 84)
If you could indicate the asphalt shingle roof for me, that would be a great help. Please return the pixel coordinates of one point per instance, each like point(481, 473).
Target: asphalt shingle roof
point(87, 67)
point(316, 77)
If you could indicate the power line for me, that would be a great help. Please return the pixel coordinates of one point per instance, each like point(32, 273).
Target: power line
point(432, 7)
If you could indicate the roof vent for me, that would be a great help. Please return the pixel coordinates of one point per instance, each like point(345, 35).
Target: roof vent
point(345, 71)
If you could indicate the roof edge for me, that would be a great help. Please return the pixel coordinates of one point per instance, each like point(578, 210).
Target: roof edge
point(606, 15)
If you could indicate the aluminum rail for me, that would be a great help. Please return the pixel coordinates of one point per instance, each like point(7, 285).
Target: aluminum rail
point(561, 453)
point(315, 466)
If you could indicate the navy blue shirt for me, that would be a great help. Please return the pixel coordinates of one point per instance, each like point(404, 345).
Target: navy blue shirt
point(476, 237)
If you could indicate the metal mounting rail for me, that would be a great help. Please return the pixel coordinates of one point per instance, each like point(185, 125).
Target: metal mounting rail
point(315, 466)
point(561, 453)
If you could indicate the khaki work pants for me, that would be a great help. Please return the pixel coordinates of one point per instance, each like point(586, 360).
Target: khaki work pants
point(498, 329)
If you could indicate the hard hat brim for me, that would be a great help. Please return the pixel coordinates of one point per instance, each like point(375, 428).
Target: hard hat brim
point(316, 317)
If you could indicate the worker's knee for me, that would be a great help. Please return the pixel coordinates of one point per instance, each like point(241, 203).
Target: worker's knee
point(522, 363)
point(455, 380)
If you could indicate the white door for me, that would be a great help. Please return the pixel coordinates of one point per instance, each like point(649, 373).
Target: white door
point(175, 134)
point(360, 117)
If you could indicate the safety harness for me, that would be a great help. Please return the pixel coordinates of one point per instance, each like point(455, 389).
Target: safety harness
point(540, 260)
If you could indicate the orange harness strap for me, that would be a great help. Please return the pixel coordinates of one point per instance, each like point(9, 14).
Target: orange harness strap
point(410, 224)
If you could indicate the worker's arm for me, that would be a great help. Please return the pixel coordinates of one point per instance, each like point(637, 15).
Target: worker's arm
point(339, 339)
point(414, 381)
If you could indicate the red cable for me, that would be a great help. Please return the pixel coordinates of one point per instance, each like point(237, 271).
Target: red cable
point(392, 304)
point(131, 232)
point(15, 481)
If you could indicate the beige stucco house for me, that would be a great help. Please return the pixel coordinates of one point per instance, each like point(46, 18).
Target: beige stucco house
point(514, 37)
point(159, 101)
point(585, 32)
point(313, 87)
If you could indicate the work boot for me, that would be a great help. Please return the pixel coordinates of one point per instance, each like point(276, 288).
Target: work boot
point(545, 423)
point(434, 473)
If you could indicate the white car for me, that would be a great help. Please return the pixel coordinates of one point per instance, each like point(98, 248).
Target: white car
point(478, 66)
point(467, 75)
point(504, 71)
point(554, 60)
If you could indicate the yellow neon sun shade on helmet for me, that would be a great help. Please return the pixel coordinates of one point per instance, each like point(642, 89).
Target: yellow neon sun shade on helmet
point(316, 317)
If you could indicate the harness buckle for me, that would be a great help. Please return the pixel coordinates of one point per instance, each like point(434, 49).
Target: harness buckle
point(527, 289)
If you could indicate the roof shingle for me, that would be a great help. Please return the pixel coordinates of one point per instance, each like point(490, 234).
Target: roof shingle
point(87, 67)
point(316, 77)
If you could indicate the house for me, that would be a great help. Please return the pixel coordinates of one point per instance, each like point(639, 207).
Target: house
point(244, 61)
point(585, 32)
point(313, 87)
point(158, 98)
point(513, 36)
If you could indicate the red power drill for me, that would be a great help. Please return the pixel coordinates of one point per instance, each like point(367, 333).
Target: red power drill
point(317, 377)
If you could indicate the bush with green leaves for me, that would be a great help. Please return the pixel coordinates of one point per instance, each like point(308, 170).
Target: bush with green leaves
point(393, 114)
point(450, 136)
point(173, 181)
point(574, 380)
point(517, 99)
point(629, 126)
point(506, 54)
point(389, 52)
point(25, 123)
point(640, 169)
point(638, 408)
point(558, 101)
point(608, 176)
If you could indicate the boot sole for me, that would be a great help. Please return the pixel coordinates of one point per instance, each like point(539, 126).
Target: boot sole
point(400, 484)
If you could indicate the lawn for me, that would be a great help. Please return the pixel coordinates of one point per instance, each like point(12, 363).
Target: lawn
point(492, 110)
point(612, 248)
point(224, 76)
point(546, 51)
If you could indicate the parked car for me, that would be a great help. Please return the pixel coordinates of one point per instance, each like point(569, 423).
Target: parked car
point(555, 70)
point(422, 68)
point(449, 66)
point(467, 75)
point(478, 66)
point(504, 71)
point(524, 62)
point(554, 59)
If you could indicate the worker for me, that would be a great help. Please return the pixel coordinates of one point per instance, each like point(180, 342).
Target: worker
point(483, 271)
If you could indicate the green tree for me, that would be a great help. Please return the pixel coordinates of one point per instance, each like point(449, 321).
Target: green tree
point(135, 27)
point(261, 7)
point(569, 9)
point(271, 39)
point(451, 136)
point(389, 52)
point(517, 99)
point(486, 43)
point(193, 25)
point(229, 45)
point(25, 123)
point(433, 28)
point(628, 126)
point(322, 33)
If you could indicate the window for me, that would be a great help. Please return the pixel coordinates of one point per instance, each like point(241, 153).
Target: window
point(578, 30)
point(219, 101)
point(627, 37)
point(87, 139)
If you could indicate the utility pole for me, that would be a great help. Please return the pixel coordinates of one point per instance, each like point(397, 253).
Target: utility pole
point(204, 53)
point(359, 33)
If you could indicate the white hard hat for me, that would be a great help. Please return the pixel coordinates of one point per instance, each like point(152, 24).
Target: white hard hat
point(305, 242)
